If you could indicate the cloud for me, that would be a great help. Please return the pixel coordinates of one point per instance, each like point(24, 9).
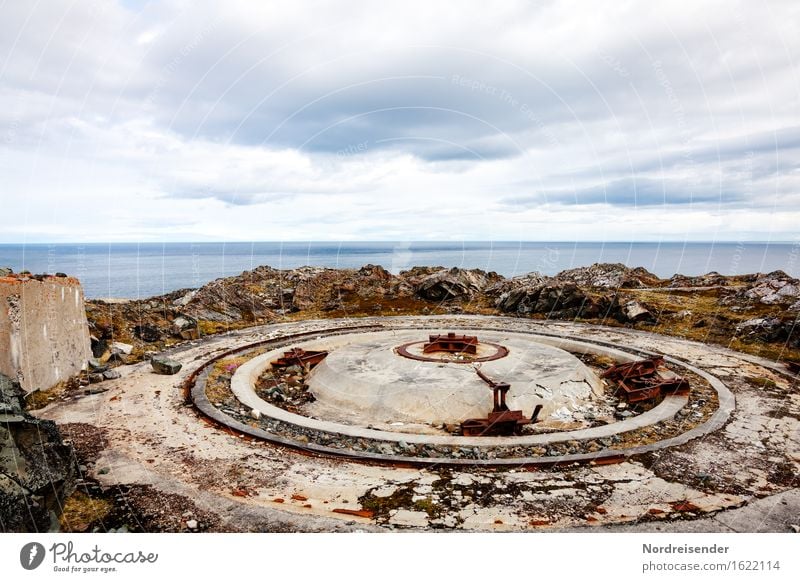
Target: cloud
point(630, 192)
point(413, 120)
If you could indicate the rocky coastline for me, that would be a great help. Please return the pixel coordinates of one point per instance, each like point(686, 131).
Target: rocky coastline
point(754, 313)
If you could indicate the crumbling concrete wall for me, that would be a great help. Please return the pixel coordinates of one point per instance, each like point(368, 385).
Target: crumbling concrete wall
point(44, 336)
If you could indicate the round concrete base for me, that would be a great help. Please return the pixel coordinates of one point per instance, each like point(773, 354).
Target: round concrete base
point(363, 381)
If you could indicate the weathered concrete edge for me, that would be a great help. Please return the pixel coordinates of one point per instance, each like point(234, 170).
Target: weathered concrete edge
point(718, 420)
point(244, 380)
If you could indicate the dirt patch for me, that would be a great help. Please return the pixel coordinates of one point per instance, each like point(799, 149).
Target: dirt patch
point(87, 440)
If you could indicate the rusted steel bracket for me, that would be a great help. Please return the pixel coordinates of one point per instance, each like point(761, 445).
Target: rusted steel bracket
point(451, 343)
point(300, 357)
point(501, 421)
point(645, 380)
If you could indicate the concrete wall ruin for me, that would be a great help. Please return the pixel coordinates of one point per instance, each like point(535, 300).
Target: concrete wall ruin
point(44, 336)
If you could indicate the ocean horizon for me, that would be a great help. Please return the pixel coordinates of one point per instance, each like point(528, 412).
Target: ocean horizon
point(140, 270)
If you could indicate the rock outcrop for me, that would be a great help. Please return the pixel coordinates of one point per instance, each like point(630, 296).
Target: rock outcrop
point(712, 279)
point(606, 293)
point(776, 288)
point(770, 329)
point(550, 297)
point(37, 469)
point(610, 276)
point(455, 283)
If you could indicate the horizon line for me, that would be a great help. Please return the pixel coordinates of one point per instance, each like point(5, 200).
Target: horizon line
point(386, 241)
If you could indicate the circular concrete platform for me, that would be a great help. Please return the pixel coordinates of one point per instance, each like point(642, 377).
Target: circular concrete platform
point(655, 426)
point(364, 381)
point(677, 466)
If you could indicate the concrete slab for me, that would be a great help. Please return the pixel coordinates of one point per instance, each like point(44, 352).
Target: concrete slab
point(244, 380)
point(364, 381)
point(151, 437)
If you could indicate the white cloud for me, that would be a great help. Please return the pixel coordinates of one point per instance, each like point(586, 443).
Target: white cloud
point(401, 120)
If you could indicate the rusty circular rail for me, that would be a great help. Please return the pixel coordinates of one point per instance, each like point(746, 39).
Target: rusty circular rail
point(194, 387)
point(500, 352)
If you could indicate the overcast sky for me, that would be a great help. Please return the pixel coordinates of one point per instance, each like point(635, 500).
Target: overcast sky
point(449, 120)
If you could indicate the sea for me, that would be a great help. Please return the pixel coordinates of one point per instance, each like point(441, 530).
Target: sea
point(140, 270)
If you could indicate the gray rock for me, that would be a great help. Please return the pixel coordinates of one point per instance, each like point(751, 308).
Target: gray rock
point(11, 400)
point(554, 298)
point(99, 346)
point(164, 365)
point(121, 348)
point(37, 472)
point(147, 332)
point(183, 301)
point(635, 311)
point(770, 329)
point(774, 288)
point(452, 283)
point(117, 358)
point(96, 365)
point(712, 279)
point(767, 328)
point(184, 326)
point(111, 375)
point(608, 275)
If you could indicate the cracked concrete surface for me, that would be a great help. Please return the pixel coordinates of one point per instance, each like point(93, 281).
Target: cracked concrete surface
point(743, 477)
